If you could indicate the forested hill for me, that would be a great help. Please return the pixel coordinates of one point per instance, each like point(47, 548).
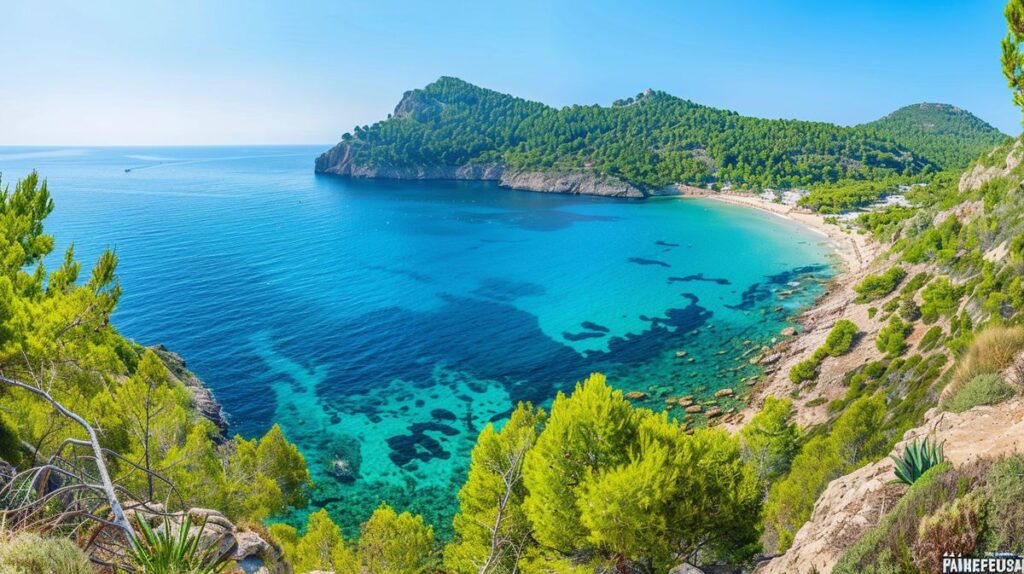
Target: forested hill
point(945, 134)
point(453, 129)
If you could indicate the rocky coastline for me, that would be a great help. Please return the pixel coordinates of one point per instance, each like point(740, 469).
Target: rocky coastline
point(340, 160)
point(202, 397)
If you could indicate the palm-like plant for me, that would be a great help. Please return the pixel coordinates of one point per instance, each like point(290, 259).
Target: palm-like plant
point(164, 552)
point(917, 458)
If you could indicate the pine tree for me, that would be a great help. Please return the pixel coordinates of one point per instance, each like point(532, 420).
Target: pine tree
point(492, 533)
point(392, 543)
point(594, 428)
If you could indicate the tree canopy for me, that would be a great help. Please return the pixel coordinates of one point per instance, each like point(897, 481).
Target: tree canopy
point(655, 139)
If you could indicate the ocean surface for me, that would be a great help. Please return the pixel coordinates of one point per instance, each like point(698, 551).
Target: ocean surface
point(383, 324)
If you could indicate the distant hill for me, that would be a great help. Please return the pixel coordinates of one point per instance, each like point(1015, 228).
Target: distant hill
point(637, 146)
point(947, 135)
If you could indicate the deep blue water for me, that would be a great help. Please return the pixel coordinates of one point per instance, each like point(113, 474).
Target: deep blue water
point(383, 323)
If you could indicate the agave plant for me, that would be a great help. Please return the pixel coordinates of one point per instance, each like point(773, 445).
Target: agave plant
point(917, 458)
point(164, 552)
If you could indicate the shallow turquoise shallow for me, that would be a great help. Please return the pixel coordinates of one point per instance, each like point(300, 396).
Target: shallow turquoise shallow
point(383, 323)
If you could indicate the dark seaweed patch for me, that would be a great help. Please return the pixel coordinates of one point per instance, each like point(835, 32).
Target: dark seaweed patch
point(591, 326)
point(643, 261)
point(700, 277)
point(581, 336)
point(506, 290)
point(417, 445)
point(443, 415)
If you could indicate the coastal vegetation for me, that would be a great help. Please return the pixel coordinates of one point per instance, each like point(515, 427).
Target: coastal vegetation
point(838, 342)
point(655, 140)
point(595, 484)
point(875, 287)
point(950, 136)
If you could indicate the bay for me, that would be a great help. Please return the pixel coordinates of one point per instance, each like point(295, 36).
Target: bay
point(383, 324)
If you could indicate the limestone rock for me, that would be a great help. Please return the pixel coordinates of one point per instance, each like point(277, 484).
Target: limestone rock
point(854, 503)
point(202, 397)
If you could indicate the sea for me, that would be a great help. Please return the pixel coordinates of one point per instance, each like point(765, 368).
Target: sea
point(383, 324)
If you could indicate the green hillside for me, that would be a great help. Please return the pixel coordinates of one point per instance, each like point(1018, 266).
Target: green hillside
point(655, 139)
point(947, 135)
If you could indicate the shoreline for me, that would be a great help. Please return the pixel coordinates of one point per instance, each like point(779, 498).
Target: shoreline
point(854, 251)
point(855, 254)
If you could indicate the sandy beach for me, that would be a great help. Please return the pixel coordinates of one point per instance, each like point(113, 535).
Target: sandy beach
point(856, 251)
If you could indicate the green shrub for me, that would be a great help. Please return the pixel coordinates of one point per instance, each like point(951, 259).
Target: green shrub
point(941, 298)
point(856, 437)
point(770, 440)
point(930, 339)
point(886, 548)
point(1005, 512)
point(953, 529)
point(840, 338)
point(991, 351)
point(892, 339)
point(875, 369)
point(909, 310)
point(872, 311)
point(805, 370)
point(986, 389)
point(915, 283)
point(917, 458)
point(877, 286)
point(29, 553)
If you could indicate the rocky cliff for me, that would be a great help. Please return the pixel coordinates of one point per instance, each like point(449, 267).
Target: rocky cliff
point(853, 504)
point(202, 397)
point(342, 160)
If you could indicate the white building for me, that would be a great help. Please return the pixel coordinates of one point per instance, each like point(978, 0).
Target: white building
point(892, 200)
point(850, 215)
point(792, 196)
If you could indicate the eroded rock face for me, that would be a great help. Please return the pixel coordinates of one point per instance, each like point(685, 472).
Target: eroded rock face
point(979, 174)
point(253, 553)
point(341, 160)
point(853, 504)
point(576, 183)
point(202, 397)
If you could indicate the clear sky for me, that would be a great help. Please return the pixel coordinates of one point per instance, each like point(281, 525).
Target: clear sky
point(241, 72)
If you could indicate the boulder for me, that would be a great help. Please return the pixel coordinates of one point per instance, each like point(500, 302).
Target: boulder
point(7, 472)
point(724, 393)
point(636, 395)
point(694, 409)
point(788, 332)
point(686, 569)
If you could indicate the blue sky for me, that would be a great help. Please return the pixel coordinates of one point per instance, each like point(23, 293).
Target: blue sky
point(227, 72)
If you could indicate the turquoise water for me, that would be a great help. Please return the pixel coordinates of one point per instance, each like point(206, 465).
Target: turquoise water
point(384, 323)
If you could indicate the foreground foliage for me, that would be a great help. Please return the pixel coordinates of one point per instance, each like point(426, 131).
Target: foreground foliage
point(164, 551)
point(29, 553)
